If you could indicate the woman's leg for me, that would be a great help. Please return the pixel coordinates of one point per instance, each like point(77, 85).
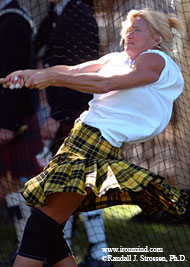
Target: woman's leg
point(67, 262)
point(23, 261)
point(60, 206)
point(45, 223)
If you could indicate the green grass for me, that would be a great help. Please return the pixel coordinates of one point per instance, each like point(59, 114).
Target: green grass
point(122, 232)
point(7, 240)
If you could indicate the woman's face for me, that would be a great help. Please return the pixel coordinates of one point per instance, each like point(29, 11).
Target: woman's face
point(138, 38)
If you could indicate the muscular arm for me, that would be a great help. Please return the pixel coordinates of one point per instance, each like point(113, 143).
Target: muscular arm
point(86, 67)
point(42, 78)
point(146, 69)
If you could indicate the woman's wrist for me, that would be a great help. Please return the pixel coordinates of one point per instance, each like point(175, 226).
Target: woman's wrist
point(54, 76)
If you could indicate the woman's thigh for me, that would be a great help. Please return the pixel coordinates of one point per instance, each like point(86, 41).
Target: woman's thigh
point(60, 206)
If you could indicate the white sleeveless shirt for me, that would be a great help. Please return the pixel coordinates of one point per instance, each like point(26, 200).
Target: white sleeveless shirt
point(137, 114)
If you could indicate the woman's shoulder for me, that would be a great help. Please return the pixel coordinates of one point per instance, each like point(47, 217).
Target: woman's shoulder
point(169, 61)
point(170, 72)
point(158, 52)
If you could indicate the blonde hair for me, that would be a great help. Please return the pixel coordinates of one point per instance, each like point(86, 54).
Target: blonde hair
point(158, 23)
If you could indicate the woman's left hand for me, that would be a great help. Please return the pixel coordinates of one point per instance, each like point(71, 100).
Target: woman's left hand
point(17, 79)
point(31, 78)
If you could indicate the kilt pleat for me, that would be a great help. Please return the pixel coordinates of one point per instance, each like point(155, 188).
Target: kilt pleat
point(87, 160)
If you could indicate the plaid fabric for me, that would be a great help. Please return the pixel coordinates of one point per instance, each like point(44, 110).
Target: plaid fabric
point(85, 160)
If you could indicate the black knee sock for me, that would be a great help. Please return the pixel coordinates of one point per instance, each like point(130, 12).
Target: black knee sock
point(43, 238)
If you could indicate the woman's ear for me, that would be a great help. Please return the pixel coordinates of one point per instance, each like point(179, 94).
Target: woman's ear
point(158, 40)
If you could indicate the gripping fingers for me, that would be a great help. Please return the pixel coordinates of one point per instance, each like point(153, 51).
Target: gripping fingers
point(16, 82)
point(29, 84)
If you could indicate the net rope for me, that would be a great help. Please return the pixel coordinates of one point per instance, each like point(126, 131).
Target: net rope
point(168, 154)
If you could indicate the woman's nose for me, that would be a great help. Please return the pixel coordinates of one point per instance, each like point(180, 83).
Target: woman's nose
point(129, 35)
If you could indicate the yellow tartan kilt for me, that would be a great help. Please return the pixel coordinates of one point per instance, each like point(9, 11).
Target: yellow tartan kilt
point(87, 160)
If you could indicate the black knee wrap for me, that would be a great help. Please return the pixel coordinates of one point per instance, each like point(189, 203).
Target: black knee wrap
point(43, 238)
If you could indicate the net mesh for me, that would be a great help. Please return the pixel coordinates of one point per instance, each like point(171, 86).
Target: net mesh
point(168, 154)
